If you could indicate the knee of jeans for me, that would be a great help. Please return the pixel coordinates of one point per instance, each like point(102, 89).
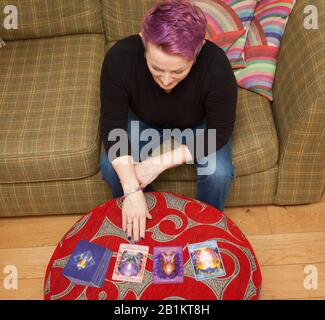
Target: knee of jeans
point(224, 172)
point(218, 172)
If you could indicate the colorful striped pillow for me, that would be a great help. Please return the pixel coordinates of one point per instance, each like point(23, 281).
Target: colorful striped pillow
point(2, 43)
point(228, 22)
point(263, 45)
point(245, 10)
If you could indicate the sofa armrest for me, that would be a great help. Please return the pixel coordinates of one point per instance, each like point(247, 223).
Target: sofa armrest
point(299, 108)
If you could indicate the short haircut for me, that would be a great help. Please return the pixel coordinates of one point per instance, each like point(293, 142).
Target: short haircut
point(177, 27)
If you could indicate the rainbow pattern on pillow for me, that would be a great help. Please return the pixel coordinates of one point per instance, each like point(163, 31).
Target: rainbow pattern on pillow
point(223, 24)
point(227, 25)
point(245, 10)
point(263, 45)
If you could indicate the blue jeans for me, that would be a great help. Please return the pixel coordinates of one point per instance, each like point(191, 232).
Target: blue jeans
point(212, 188)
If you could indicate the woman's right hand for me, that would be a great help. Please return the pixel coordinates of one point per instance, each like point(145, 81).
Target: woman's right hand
point(134, 214)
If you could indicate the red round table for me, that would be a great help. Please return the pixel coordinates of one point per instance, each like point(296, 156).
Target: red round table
point(177, 221)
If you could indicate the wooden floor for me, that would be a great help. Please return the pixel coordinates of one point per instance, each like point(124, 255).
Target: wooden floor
point(285, 240)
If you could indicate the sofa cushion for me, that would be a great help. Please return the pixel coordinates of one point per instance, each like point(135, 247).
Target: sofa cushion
point(227, 25)
point(263, 45)
point(245, 10)
point(44, 18)
point(124, 17)
point(50, 108)
point(255, 141)
point(224, 26)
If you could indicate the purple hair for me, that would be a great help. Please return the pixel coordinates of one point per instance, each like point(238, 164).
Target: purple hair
point(176, 26)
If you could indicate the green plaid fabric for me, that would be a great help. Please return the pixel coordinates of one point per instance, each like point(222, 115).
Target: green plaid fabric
point(53, 197)
point(82, 195)
point(109, 45)
point(124, 17)
point(298, 108)
point(44, 18)
point(50, 108)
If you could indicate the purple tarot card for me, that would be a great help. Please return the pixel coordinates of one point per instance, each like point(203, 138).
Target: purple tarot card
point(168, 265)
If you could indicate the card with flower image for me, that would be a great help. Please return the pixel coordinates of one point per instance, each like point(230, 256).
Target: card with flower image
point(168, 265)
point(130, 263)
point(206, 260)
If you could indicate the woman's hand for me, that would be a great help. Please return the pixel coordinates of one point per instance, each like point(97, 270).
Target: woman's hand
point(134, 214)
point(148, 170)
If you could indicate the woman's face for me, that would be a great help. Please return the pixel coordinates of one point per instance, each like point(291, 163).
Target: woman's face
point(167, 70)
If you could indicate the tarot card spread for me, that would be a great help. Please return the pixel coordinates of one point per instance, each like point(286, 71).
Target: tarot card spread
point(206, 260)
point(130, 263)
point(168, 265)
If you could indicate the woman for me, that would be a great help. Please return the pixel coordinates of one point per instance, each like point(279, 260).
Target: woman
point(166, 77)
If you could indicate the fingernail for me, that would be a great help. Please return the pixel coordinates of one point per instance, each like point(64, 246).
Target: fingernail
point(142, 238)
point(129, 238)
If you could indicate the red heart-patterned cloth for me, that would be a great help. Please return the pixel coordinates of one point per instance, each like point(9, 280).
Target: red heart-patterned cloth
point(177, 221)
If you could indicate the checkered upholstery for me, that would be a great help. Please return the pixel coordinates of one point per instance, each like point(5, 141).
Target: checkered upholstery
point(49, 159)
point(124, 17)
point(49, 111)
point(48, 18)
point(299, 108)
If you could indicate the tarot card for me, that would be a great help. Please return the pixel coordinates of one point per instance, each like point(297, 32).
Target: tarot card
point(130, 263)
point(168, 265)
point(88, 264)
point(206, 260)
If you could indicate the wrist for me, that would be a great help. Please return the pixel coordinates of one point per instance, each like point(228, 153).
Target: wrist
point(159, 162)
point(128, 187)
point(132, 192)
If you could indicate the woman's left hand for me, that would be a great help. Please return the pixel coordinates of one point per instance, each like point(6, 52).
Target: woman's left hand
point(148, 170)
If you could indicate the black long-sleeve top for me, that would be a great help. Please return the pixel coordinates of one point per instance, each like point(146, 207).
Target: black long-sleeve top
point(209, 90)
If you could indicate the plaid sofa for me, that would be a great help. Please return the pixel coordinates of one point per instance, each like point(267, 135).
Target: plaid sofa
point(50, 112)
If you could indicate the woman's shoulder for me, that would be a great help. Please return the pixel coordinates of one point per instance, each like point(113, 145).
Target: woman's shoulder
point(119, 57)
point(219, 72)
point(127, 46)
point(215, 53)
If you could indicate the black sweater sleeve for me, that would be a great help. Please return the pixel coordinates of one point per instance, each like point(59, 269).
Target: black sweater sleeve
point(114, 104)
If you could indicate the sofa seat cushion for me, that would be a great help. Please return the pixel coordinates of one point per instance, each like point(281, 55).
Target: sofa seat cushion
point(254, 142)
point(50, 108)
point(48, 18)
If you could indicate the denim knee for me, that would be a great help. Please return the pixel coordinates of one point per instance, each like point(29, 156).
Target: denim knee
point(218, 173)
